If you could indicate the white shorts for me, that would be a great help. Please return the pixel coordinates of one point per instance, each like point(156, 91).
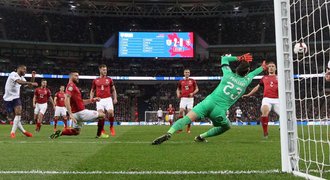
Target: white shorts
point(86, 115)
point(60, 111)
point(170, 116)
point(40, 108)
point(186, 103)
point(272, 103)
point(104, 104)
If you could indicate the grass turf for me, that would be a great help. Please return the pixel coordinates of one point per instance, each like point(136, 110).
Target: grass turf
point(239, 149)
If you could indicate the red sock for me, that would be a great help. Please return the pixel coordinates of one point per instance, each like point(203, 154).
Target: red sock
point(38, 124)
point(180, 117)
point(264, 123)
point(55, 123)
point(111, 119)
point(171, 122)
point(65, 121)
point(70, 132)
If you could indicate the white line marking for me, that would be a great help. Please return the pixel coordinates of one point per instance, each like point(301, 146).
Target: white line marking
point(224, 172)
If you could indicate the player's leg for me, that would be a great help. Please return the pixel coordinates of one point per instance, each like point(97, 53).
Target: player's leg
point(220, 122)
point(189, 105)
point(17, 119)
point(265, 109)
point(56, 118)
point(43, 108)
point(35, 116)
point(178, 125)
point(170, 119)
point(100, 125)
point(111, 115)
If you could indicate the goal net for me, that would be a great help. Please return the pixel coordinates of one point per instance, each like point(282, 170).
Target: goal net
point(151, 118)
point(308, 123)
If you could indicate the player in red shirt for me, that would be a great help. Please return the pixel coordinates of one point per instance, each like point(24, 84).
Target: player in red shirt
point(60, 109)
point(171, 112)
point(75, 106)
point(105, 89)
point(186, 90)
point(270, 100)
point(40, 99)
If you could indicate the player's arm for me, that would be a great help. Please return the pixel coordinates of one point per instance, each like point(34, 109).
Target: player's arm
point(68, 107)
point(196, 90)
point(34, 100)
point(254, 90)
point(55, 99)
point(178, 92)
point(92, 100)
point(91, 94)
point(114, 94)
point(259, 70)
point(225, 60)
point(26, 83)
point(52, 101)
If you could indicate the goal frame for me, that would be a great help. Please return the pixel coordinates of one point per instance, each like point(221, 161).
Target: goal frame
point(288, 120)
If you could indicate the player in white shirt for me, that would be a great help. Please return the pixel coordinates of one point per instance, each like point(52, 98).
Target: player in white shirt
point(238, 115)
point(327, 74)
point(160, 115)
point(12, 99)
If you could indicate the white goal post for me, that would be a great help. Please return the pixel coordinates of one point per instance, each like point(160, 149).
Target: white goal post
point(305, 148)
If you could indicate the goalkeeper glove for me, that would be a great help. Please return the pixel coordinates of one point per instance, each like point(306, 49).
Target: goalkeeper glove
point(245, 57)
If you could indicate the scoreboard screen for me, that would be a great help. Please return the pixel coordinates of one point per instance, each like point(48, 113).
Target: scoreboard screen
point(156, 44)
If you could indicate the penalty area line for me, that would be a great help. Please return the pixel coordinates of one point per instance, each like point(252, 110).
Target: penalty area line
point(224, 172)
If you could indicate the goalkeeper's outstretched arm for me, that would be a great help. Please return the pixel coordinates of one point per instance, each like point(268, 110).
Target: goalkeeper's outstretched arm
point(225, 60)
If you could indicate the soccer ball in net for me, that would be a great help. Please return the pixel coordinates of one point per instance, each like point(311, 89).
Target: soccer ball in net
point(300, 48)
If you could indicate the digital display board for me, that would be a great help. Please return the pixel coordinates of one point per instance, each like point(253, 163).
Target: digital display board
point(156, 44)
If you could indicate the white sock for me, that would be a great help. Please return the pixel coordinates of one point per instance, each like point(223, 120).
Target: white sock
point(20, 127)
point(15, 123)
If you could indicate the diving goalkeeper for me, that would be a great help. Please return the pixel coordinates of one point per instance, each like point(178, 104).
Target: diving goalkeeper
point(215, 105)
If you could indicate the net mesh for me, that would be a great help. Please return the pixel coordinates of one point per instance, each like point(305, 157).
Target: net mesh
point(310, 25)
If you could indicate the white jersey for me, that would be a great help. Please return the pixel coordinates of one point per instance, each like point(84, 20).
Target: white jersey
point(159, 113)
point(12, 88)
point(238, 113)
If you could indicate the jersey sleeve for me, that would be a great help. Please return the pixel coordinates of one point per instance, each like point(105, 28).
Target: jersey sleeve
point(255, 72)
point(93, 85)
point(179, 85)
point(14, 76)
point(111, 83)
point(225, 60)
point(69, 89)
point(261, 83)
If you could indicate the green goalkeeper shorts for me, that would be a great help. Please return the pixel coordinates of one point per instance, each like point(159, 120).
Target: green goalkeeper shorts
point(208, 108)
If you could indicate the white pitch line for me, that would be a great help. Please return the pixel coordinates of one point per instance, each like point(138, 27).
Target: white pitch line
point(224, 172)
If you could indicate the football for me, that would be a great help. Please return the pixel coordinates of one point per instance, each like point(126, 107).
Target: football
point(300, 48)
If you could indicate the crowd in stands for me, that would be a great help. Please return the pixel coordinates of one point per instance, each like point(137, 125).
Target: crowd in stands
point(47, 27)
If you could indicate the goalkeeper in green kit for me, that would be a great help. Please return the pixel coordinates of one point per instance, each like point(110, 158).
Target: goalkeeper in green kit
point(215, 105)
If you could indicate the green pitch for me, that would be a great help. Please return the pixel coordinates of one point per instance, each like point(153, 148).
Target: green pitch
point(239, 150)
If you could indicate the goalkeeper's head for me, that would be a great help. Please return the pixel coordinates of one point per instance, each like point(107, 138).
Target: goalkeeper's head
point(243, 68)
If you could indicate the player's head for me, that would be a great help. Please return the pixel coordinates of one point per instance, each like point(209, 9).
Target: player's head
point(74, 76)
point(170, 105)
point(103, 70)
point(271, 67)
point(243, 68)
point(43, 83)
point(62, 88)
point(186, 73)
point(21, 70)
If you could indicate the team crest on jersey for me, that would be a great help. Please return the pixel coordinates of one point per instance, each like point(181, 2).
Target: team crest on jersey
point(70, 88)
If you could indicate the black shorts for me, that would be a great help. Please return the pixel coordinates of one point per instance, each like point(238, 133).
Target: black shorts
point(10, 105)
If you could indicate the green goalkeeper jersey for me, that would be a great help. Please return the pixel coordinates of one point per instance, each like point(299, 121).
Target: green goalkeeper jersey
point(232, 86)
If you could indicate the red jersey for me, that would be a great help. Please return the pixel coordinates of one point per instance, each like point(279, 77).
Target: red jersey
point(102, 86)
point(170, 111)
point(270, 85)
point(187, 86)
point(42, 95)
point(60, 97)
point(76, 102)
